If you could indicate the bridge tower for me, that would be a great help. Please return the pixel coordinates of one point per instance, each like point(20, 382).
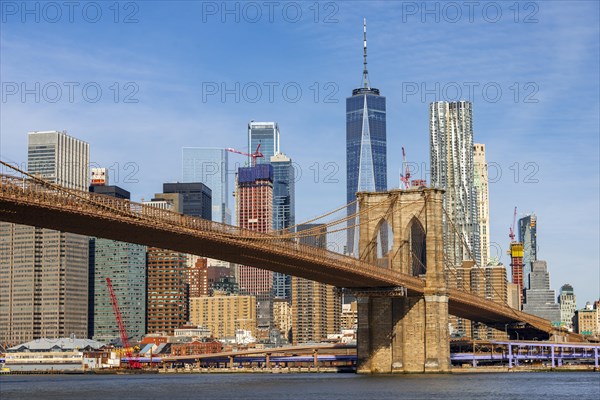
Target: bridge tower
point(406, 332)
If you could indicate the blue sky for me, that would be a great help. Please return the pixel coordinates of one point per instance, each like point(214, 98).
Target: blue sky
point(541, 132)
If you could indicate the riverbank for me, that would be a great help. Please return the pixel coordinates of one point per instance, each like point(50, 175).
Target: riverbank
point(301, 370)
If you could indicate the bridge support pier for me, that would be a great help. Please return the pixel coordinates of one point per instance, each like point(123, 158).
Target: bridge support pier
point(403, 334)
point(406, 332)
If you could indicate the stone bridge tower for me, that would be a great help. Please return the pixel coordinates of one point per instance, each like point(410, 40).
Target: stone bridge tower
point(402, 230)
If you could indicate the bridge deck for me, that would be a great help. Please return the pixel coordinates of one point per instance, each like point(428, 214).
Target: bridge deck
point(31, 203)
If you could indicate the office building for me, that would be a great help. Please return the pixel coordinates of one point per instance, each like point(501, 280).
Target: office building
point(585, 321)
point(283, 213)
point(224, 315)
point(196, 198)
point(366, 145)
point(528, 236)
point(254, 211)
point(460, 278)
point(483, 201)
point(514, 294)
point(125, 265)
point(210, 166)
point(265, 134)
point(44, 273)
point(316, 307)
point(452, 169)
point(568, 305)
point(254, 205)
point(516, 265)
point(170, 272)
point(539, 299)
point(490, 283)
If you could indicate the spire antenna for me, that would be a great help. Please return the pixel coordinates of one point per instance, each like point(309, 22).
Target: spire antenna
point(365, 71)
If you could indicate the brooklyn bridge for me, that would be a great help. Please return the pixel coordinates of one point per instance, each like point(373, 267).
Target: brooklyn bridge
point(404, 302)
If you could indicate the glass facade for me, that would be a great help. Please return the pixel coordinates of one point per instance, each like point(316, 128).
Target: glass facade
point(283, 213)
point(210, 166)
point(366, 148)
point(267, 135)
point(197, 198)
point(528, 236)
point(125, 264)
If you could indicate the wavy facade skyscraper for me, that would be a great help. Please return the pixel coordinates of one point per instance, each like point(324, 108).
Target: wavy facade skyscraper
point(366, 142)
point(452, 169)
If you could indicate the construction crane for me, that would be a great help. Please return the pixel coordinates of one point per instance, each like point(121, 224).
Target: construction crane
point(254, 156)
point(134, 363)
point(406, 176)
point(511, 230)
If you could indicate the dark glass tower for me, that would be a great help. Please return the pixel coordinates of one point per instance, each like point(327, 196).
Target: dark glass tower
point(283, 213)
point(366, 144)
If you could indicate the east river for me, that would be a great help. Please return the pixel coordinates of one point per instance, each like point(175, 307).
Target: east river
point(483, 386)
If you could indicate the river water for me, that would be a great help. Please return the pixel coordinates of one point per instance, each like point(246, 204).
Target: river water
point(484, 386)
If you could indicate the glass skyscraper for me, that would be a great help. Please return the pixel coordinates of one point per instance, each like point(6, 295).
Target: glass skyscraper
point(267, 135)
point(366, 143)
point(125, 264)
point(283, 213)
point(528, 236)
point(210, 166)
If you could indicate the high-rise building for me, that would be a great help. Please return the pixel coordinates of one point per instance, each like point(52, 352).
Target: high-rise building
point(169, 271)
point(283, 213)
point(224, 315)
point(568, 305)
point(514, 294)
point(197, 276)
point(44, 273)
point(452, 169)
point(283, 192)
point(539, 299)
point(516, 265)
point(528, 236)
point(460, 278)
point(316, 307)
point(267, 135)
point(210, 166)
point(490, 283)
point(196, 198)
point(483, 201)
point(167, 290)
point(366, 145)
point(125, 265)
point(254, 211)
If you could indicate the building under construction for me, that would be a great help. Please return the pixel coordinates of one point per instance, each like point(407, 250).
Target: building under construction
point(254, 211)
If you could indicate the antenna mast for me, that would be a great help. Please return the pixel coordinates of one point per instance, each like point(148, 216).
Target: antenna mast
point(365, 72)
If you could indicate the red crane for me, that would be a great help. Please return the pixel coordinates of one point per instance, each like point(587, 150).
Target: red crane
point(255, 155)
point(511, 230)
point(406, 176)
point(133, 362)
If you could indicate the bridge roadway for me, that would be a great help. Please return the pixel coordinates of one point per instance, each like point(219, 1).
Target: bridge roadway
point(50, 206)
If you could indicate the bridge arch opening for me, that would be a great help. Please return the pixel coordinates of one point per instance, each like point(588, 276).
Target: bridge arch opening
point(384, 242)
point(418, 253)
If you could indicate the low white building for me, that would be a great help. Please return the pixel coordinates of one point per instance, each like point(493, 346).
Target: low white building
point(64, 354)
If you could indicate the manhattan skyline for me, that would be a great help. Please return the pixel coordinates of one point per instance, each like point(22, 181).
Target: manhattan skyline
point(553, 140)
